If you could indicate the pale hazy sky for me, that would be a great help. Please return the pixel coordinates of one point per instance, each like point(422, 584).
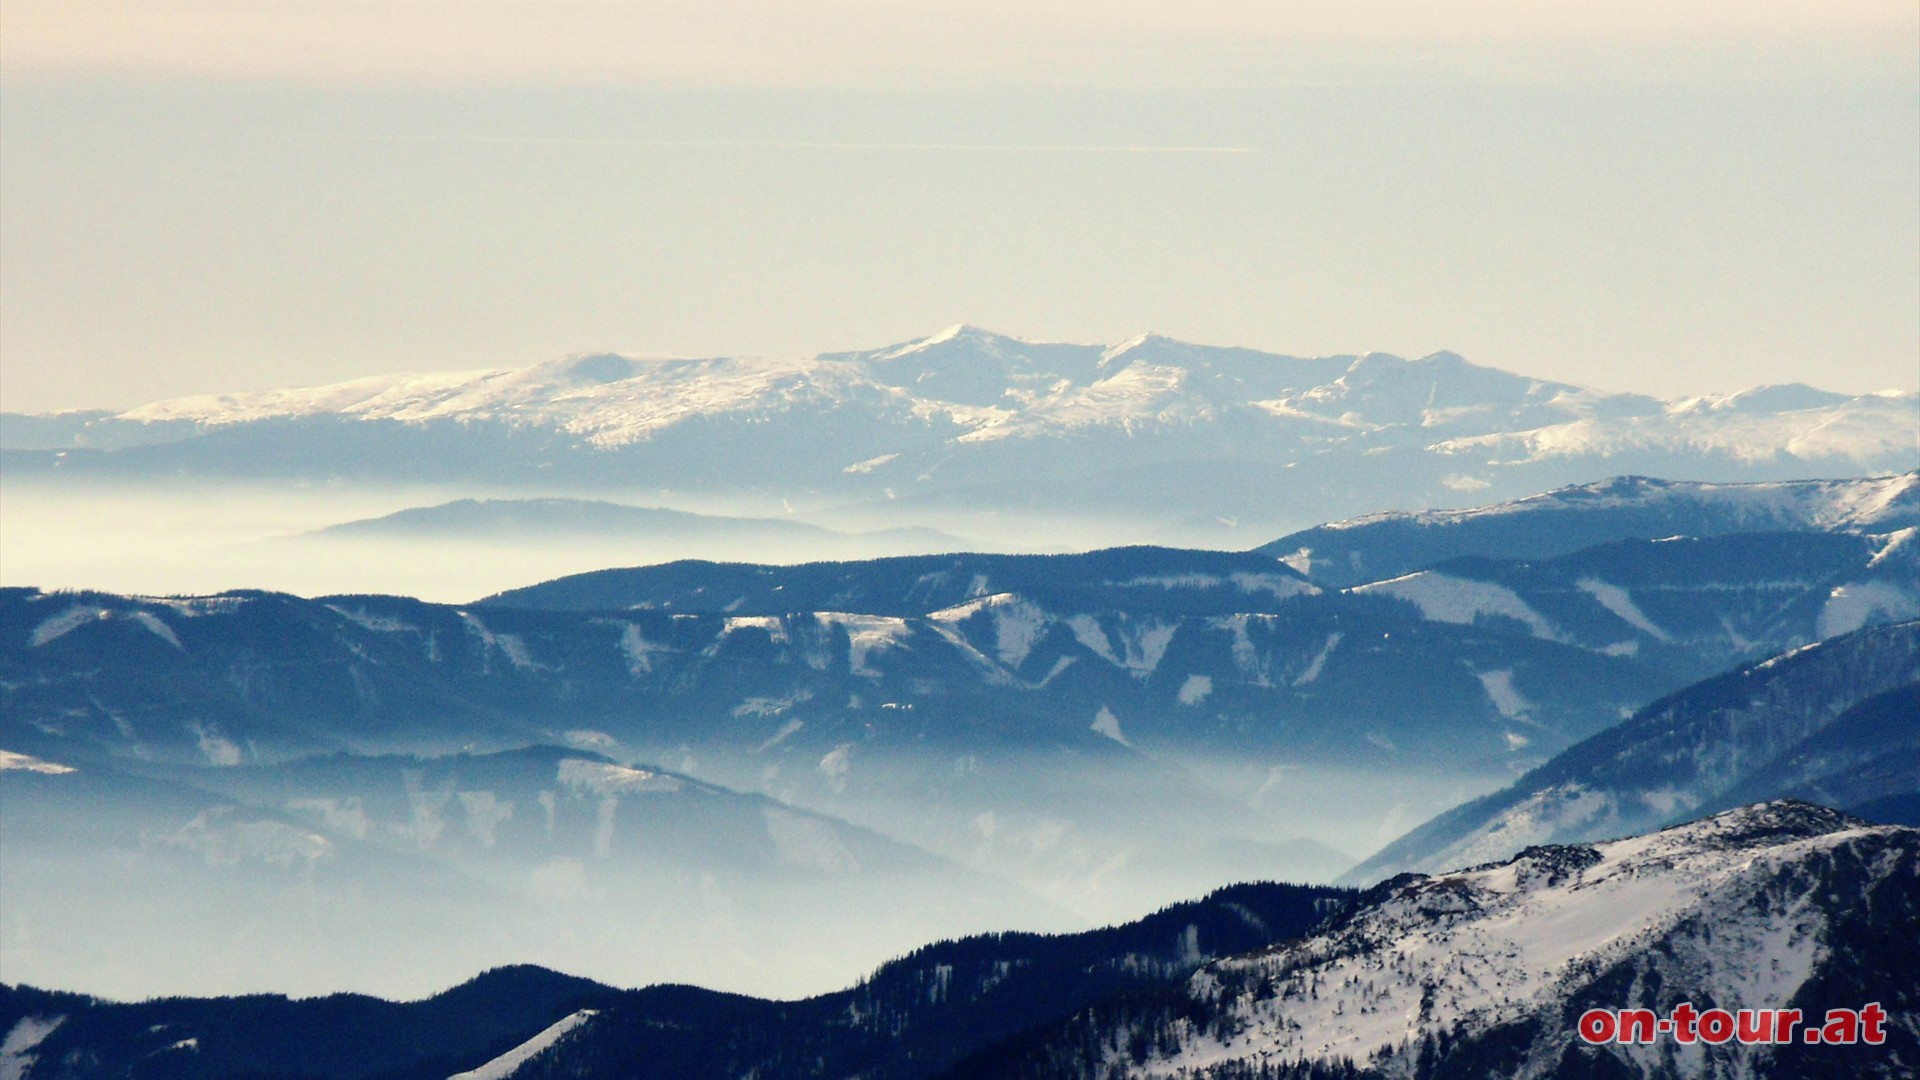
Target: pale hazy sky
point(202, 195)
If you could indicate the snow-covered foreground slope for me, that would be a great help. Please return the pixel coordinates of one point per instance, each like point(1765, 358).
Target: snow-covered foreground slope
point(1484, 972)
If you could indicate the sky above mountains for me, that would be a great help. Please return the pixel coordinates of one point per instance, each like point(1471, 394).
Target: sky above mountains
point(1667, 198)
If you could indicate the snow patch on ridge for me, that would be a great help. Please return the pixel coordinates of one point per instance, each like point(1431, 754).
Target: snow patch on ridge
point(1246, 656)
point(869, 464)
point(486, 812)
point(866, 635)
point(1319, 660)
point(1616, 599)
point(1105, 723)
point(1280, 585)
point(222, 840)
point(157, 628)
point(504, 1066)
point(780, 736)
point(1499, 688)
point(1195, 689)
point(508, 645)
point(1142, 645)
point(16, 1050)
point(606, 778)
point(58, 626)
point(12, 760)
point(1850, 607)
point(378, 623)
point(802, 840)
point(635, 647)
point(1448, 599)
point(775, 629)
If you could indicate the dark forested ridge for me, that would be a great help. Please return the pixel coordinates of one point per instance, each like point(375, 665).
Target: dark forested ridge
point(914, 1017)
point(339, 1037)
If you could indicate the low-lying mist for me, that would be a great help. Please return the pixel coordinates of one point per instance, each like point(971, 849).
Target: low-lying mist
point(291, 891)
point(198, 537)
point(399, 876)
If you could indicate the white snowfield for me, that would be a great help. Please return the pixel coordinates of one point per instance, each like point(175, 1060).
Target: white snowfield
point(1448, 599)
point(1468, 951)
point(1825, 426)
point(989, 388)
point(607, 779)
point(10, 759)
point(16, 1050)
point(53, 629)
point(507, 1064)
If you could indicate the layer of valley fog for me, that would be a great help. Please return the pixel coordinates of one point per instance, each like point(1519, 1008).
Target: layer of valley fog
point(196, 538)
point(1110, 851)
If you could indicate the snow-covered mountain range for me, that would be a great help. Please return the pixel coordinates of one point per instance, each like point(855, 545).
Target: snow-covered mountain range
point(948, 428)
point(988, 387)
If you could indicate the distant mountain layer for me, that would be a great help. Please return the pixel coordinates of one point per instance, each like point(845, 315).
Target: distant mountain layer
point(1481, 972)
point(967, 422)
point(1837, 722)
point(1381, 546)
point(556, 532)
point(536, 519)
point(1118, 579)
point(986, 708)
point(1134, 649)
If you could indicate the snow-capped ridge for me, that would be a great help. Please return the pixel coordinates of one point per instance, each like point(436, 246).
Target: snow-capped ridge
point(590, 369)
point(1772, 397)
point(1476, 951)
point(966, 333)
point(991, 385)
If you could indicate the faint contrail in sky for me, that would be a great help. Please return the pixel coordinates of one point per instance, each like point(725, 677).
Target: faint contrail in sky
point(776, 144)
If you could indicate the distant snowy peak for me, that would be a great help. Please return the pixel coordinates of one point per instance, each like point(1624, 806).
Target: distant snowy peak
point(1777, 397)
point(1735, 911)
point(605, 400)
